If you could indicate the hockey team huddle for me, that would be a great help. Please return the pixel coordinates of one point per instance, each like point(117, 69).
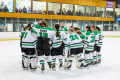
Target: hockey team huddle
point(40, 42)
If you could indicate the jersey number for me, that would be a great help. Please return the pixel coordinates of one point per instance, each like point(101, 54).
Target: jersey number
point(73, 37)
point(93, 39)
point(25, 34)
point(59, 37)
point(43, 34)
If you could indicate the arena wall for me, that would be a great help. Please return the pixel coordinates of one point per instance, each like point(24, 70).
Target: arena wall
point(15, 35)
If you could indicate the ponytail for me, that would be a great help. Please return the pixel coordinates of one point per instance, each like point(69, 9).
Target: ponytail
point(25, 27)
point(57, 26)
point(98, 28)
point(89, 29)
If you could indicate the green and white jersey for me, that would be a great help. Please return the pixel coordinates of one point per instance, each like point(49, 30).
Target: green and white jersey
point(100, 42)
point(42, 31)
point(22, 33)
point(28, 40)
point(83, 32)
point(57, 41)
point(74, 40)
point(65, 30)
point(89, 41)
point(95, 36)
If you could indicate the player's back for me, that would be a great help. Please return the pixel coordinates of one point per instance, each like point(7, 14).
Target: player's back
point(74, 40)
point(57, 41)
point(28, 40)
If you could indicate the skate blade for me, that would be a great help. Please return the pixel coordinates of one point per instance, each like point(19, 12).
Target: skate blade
point(54, 69)
point(25, 69)
point(68, 68)
point(38, 66)
point(80, 67)
point(42, 71)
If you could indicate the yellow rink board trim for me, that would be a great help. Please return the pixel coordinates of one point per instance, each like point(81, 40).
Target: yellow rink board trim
point(19, 39)
point(8, 39)
point(111, 36)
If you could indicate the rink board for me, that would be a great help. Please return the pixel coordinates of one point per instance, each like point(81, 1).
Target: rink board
point(5, 36)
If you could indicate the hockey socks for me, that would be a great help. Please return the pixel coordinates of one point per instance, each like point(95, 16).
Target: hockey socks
point(94, 56)
point(86, 59)
point(99, 56)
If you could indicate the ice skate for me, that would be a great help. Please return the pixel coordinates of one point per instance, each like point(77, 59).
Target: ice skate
point(53, 66)
point(99, 60)
point(50, 65)
point(32, 68)
point(60, 66)
point(42, 68)
point(65, 63)
point(69, 66)
point(86, 65)
point(82, 65)
point(79, 65)
point(91, 63)
point(94, 63)
point(24, 67)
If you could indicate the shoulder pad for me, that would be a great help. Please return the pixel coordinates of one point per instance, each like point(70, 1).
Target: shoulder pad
point(47, 28)
point(83, 36)
point(60, 30)
point(88, 33)
point(37, 26)
point(26, 29)
point(99, 32)
point(82, 31)
point(95, 32)
point(65, 28)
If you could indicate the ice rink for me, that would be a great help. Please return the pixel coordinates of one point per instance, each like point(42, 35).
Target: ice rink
point(109, 69)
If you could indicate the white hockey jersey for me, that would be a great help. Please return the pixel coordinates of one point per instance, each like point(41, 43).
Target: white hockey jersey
point(28, 40)
point(22, 33)
point(100, 42)
point(42, 31)
point(57, 41)
point(89, 41)
point(95, 37)
point(74, 40)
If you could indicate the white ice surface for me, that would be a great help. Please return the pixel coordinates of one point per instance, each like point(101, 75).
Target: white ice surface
point(109, 69)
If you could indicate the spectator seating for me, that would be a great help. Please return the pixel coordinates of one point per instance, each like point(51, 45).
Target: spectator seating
point(17, 10)
point(35, 11)
point(38, 11)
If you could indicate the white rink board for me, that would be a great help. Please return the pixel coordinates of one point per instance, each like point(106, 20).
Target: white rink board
point(109, 69)
point(9, 35)
point(15, 35)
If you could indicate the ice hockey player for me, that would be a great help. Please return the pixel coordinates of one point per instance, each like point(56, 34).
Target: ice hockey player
point(82, 36)
point(76, 48)
point(89, 46)
point(99, 45)
point(58, 40)
point(28, 47)
point(44, 35)
point(95, 41)
point(63, 27)
point(21, 36)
